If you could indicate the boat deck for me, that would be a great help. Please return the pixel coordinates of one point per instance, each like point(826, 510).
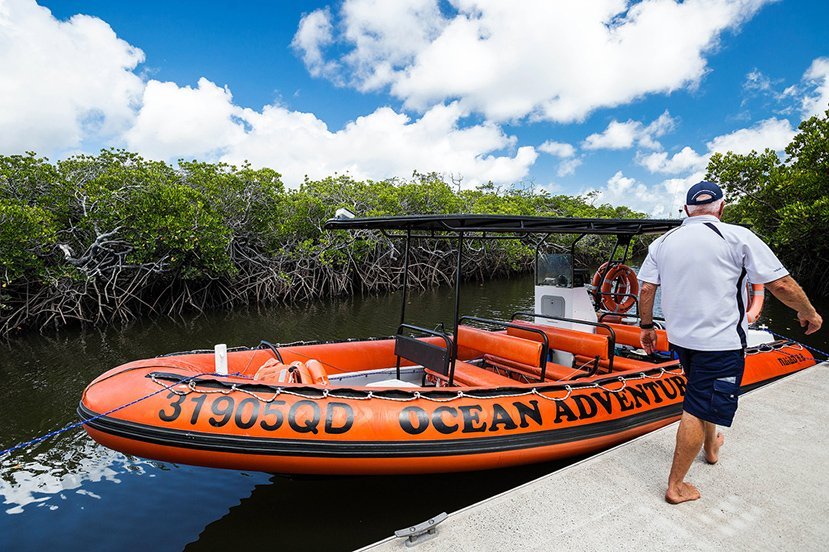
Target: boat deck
point(768, 492)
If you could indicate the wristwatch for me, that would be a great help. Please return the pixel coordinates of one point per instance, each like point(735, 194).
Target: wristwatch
point(648, 326)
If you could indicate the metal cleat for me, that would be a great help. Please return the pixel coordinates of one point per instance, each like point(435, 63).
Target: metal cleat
point(422, 531)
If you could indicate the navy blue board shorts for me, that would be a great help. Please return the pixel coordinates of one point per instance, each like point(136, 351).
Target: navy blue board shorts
point(713, 383)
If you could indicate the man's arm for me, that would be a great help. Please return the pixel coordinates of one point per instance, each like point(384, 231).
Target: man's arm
point(646, 296)
point(789, 292)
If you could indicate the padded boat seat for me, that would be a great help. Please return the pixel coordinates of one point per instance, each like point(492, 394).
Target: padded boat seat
point(558, 372)
point(622, 364)
point(564, 339)
point(475, 376)
point(629, 335)
point(554, 372)
point(502, 345)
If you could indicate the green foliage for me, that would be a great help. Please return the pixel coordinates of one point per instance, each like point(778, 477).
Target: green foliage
point(250, 201)
point(97, 237)
point(786, 202)
point(27, 233)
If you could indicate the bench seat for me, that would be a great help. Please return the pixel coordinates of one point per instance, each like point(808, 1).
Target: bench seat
point(474, 376)
point(622, 364)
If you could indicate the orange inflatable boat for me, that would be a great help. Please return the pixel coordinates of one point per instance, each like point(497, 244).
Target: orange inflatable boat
point(492, 393)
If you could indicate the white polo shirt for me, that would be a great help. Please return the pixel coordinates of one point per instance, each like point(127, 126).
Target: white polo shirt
point(702, 268)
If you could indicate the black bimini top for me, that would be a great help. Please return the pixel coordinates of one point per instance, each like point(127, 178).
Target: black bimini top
point(504, 224)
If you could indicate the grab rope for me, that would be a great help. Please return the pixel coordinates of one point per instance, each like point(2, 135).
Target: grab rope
point(75, 425)
point(327, 394)
point(813, 349)
point(778, 346)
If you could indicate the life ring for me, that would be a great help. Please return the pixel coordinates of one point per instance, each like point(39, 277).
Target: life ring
point(317, 371)
point(623, 279)
point(754, 305)
point(300, 373)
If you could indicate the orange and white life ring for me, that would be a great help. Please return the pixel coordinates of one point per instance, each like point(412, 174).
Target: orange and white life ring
point(319, 375)
point(754, 305)
point(619, 288)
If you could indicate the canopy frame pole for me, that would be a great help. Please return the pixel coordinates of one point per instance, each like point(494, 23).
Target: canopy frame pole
point(457, 307)
point(573, 245)
point(405, 277)
point(626, 239)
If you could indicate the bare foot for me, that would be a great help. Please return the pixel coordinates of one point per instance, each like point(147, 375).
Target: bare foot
point(682, 493)
point(712, 455)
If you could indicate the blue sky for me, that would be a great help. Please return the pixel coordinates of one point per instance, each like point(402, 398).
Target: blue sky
point(626, 98)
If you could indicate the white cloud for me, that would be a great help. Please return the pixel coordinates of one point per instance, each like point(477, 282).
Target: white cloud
point(809, 96)
point(550, 60)
point(315, 33)
point(564, 151)
point(662, 200)
point(62, 80)
point(757, 81)
point(623, 190)
point(666, 198)
point(383, 144)
point(624, 135)
point(616, 136)
point(185, 122)
point(558, 149)
point(568, 167)
point(817, 76)
point(771, 133)
point(685, 160)
point(204, 122)
point(386, 36)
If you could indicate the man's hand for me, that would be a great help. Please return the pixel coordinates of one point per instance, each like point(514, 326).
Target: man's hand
point(810, 320)
point(791, 294)
point(648, 339)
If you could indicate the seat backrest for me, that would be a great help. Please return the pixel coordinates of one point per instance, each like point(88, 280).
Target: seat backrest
point(630, 335)
point(564, 339)
point(419, 351)
point(502, 345)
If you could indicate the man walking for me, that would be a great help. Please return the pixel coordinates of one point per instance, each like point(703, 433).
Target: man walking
point(702, 268)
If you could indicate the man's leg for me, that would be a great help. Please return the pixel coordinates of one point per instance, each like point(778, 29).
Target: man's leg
point(713, 442)
point(689, 439)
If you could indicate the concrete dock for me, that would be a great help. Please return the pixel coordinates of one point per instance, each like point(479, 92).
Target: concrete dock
point(769, 491)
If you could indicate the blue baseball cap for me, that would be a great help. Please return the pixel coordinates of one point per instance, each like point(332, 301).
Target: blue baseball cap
point(703, 188)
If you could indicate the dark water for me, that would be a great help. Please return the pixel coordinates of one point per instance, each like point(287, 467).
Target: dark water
point(70, 493)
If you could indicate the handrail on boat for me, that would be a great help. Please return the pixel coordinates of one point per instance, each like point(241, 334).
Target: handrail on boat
point(602, 313)
point(614, 294)
point(544, 340)
point(611, 342)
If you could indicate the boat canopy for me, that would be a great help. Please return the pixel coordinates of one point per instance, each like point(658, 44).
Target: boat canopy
point(492, 227)
point(502, 224)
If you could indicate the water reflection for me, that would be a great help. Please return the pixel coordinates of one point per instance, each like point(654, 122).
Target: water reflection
point(67, 465)
point(344, 513)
